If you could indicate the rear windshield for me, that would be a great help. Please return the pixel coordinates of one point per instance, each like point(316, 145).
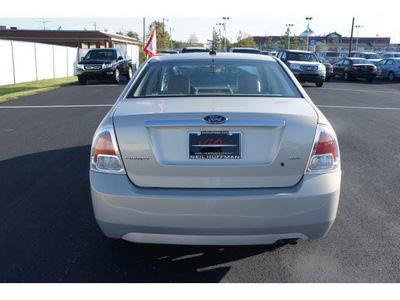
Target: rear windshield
point(101, 54)
point(230, 78)
point(361, 61)
point(255, 51)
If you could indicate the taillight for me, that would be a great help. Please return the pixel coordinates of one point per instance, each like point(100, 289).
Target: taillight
point(104, 154)
point(375, 68)
point(355, 68)
point(330, 68)
point(325, 153)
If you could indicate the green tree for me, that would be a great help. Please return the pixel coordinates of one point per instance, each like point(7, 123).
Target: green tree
point(283, 43)
point(162, 35)
point(215, 40)
point(225, 41)
point(245, 40)
point(268, 44)
point(132, 34)
point(193, 40)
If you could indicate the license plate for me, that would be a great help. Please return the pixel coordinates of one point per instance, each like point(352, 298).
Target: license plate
point(215, 145)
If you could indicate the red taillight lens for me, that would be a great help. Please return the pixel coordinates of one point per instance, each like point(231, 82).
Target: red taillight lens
point(375, 68)
point(325, 155)
point(330, 68)
point(104, 145)
point(326, 145)
point(105, 157)
point(355, 68)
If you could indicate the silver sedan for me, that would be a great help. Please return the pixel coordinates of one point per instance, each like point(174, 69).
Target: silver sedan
point(215, 149)
point(389, 68)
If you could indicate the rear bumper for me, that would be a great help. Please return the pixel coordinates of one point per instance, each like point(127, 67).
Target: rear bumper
point(362, 75)
point(215, 216)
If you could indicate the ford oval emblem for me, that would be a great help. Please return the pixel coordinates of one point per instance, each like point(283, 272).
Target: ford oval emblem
point(215, 119)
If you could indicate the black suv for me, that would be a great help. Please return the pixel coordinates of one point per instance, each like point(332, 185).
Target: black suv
point(304, 65)
point(106, 63)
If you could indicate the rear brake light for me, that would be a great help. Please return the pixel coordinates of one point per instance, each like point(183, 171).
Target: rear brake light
point(105, 155)
point(355, 68)
point(325, 155)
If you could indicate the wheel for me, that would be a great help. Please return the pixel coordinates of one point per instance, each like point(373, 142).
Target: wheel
point(319, 84)
point(82, 81)
point(391, 76)
point(116, 76)
point(346, 76)
point(130, 73)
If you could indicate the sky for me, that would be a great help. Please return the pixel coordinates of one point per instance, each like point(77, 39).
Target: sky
point(184, 18)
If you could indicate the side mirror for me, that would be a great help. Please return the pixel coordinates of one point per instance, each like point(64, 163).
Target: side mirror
point(82, 58)
point(120, 58)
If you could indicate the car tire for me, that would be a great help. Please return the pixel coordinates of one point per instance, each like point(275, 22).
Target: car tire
point(130, 73)
point(346, 76)
point(391, 76)
point(82, 81)
point(116, 77)
point(319, 84)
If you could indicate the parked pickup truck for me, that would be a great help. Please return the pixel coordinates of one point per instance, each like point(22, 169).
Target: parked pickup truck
point(106, 63)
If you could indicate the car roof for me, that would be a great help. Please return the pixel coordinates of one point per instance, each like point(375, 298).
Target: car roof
point(101, 49)
point(295, 51)
point(244, 48)
point(198, 56)
point(365, 53)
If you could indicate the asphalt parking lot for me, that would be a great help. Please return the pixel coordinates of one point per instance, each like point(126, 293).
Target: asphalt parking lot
point(49, 234)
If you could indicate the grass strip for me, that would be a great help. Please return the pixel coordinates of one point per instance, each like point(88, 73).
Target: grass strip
point(14, 91)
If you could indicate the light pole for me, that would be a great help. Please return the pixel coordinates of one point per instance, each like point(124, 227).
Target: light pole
point(170, 36)
point(358, 29)
point(220, 34)
point(288, 43)
point(225, 19)
point(308, 28)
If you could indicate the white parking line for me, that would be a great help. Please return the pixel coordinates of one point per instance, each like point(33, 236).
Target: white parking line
point(56, 106)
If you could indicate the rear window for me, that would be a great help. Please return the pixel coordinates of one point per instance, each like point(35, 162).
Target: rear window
point(224, 78)
point(361, 61)
point(255, 51)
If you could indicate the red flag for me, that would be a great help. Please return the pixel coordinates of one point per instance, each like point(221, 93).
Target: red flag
point(151, 46)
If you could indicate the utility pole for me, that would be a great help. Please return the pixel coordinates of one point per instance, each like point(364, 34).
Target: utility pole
point(44, 23)
point(144, 32)
point(94, 23)
point(351, 38)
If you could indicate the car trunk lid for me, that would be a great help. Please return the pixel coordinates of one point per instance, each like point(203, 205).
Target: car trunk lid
point(166, 143)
